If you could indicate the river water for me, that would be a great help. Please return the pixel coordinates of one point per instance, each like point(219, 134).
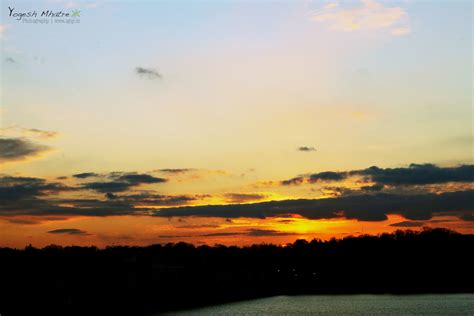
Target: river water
point(429, 304)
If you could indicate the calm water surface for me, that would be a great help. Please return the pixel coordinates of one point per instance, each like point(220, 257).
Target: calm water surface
point(445, 304)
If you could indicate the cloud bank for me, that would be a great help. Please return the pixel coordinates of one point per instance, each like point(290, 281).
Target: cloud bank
point(122, 193)
point(414, 174)
point(363, 207)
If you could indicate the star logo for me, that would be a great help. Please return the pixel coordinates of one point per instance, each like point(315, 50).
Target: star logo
point(76, 13)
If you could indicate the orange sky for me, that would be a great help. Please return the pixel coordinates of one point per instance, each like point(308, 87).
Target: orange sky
point(143, 230)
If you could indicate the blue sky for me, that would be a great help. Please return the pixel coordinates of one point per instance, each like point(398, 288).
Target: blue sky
point(230, 68)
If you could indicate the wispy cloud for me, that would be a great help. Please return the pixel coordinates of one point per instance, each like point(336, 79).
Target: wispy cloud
point(41, 133)
point(370, 14)
point(30, 132)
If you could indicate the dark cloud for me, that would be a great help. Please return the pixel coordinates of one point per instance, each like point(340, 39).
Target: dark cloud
point(10, 60)
point(32, 196)
point(422, 223)
point(337, 191)
point(306, 149)
point(419, 174)
point(414, 174)
point(266, 232)
point(75, 207)
point(23, 188)
point(177, 170)
point(85, 175)
point(152, 199)
point(375, 187)
point(13, 149)
point(243, 197)
point(293, 181)
point(316, 177)
point(68, 231)
point(364, 207)
point(327, 176)
point(32, 220)
point(408, 224)
point(95, 207)
point(149, 73)
point(254, 232)
point(121, 182)
point(111, 196)
point(36, 196)
point(136, 179)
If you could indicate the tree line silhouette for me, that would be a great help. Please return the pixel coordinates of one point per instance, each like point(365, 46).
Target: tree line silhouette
point(137, 280)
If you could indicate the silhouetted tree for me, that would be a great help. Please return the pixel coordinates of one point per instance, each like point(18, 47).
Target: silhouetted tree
point(134, 280)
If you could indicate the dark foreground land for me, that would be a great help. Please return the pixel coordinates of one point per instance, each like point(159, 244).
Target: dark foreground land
point(137, 280)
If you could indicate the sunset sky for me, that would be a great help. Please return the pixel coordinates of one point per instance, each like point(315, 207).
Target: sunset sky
point(233, 122)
